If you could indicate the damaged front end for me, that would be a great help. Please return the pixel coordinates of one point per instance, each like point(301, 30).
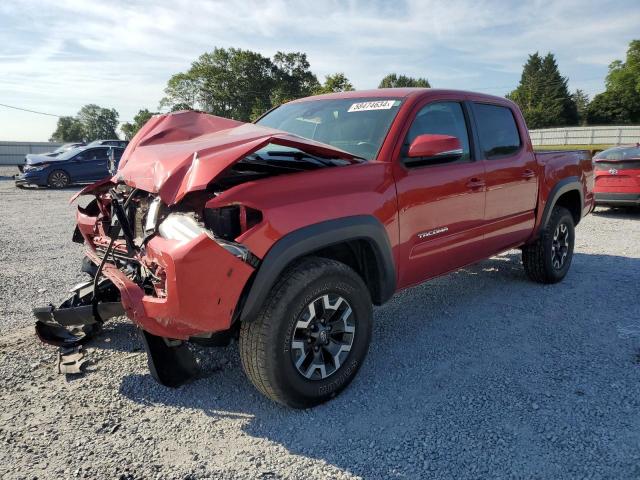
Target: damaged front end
point(159, 265)
point(158, 246)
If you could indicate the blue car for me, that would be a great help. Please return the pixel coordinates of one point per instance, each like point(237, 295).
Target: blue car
point(80, 165)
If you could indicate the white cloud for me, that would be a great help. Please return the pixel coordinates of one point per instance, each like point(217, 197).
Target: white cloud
point(59, 55)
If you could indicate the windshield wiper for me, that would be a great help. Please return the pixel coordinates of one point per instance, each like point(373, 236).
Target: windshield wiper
point(282, 164)
point(299, 155)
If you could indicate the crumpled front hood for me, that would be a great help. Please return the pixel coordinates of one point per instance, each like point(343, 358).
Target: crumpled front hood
point(182, 152)
point(35, 159)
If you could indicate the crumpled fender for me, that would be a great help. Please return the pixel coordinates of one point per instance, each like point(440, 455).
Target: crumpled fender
point(182, 152)
point(96, 188)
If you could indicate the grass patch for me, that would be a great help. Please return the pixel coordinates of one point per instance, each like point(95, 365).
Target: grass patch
point(592, 148)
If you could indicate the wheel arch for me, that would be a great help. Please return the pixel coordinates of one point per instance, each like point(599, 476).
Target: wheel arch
point(360, 242)
point(58, 169)
point(568, 194)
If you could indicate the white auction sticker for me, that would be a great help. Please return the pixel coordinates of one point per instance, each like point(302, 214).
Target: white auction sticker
point(375, 105)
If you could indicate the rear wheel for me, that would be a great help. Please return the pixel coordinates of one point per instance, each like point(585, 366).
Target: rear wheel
point(549, 258)
point(311, 336)
point(59, 179)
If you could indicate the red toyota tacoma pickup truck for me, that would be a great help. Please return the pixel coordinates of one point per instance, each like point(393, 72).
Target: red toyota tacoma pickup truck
point(285, 232)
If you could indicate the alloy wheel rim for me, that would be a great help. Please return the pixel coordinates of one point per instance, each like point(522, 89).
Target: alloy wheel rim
point(59, 180)
point(323, 336)
point(560, 246)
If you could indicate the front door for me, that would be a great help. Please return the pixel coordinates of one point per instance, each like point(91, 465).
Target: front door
point(91, 165)
point(441, 205)
point(511, 174)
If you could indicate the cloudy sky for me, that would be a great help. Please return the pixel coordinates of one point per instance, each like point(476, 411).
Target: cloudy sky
point(56, 56)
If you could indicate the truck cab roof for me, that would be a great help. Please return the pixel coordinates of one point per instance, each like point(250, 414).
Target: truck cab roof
point(405, 92)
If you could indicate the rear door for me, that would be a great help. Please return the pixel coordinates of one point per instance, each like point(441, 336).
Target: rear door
point(441, 205)
point(511, 174)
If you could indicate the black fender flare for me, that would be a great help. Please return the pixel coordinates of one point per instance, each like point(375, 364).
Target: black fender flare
point(314, 237)
point(563, 186)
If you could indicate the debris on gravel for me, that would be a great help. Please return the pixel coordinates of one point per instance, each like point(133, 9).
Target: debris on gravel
point(477, 374)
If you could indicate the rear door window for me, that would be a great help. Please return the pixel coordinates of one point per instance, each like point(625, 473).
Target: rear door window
point(497, 129)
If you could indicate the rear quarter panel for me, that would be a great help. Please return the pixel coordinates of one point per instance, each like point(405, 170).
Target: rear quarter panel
point(558, 166)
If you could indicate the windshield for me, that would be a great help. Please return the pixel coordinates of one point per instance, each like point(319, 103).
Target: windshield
point(70, 153)
point(356, 125)
point(64, 148)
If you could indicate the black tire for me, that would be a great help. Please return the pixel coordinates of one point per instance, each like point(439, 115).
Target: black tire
point(268, 348)
point(549, 258)
point(58, 179)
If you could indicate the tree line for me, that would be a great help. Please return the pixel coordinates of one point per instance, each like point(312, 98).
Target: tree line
point(242, 85)
point(545, 101)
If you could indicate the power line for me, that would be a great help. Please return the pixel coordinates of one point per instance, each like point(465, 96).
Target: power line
point(40, 113)
point(30, 111)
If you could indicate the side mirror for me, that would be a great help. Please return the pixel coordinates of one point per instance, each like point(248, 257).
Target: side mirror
point(431, 147)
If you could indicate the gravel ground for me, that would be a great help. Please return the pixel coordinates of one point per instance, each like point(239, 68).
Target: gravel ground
point(478, 374)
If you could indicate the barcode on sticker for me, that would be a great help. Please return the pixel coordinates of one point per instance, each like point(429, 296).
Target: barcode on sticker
point(375, 105)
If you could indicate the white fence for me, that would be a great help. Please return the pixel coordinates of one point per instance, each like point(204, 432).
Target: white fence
point(12, 153)
point(586, 136)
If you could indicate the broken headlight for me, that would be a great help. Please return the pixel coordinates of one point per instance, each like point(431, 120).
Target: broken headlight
point(182, 227)
point(152, 216)
point(231, 221)
point(35, 168)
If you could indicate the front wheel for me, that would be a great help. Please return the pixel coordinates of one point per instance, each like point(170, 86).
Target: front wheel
point(59, 179)
point(549, 258)
point(312, 335)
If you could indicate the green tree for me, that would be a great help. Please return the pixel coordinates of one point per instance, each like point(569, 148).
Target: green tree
point(130, 129)
point(394, 81)
point(98, 122)
point(181, 92)
point(292, 77)
point(91, 123)
point(543, 95)
point(68, 129)
point(230, 82)
point(620, 102)
point(607, 108)
point(581, 100)
point(337, 82)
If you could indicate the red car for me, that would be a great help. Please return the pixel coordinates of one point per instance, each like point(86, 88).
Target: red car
point(617, 173)
point(286, 231)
